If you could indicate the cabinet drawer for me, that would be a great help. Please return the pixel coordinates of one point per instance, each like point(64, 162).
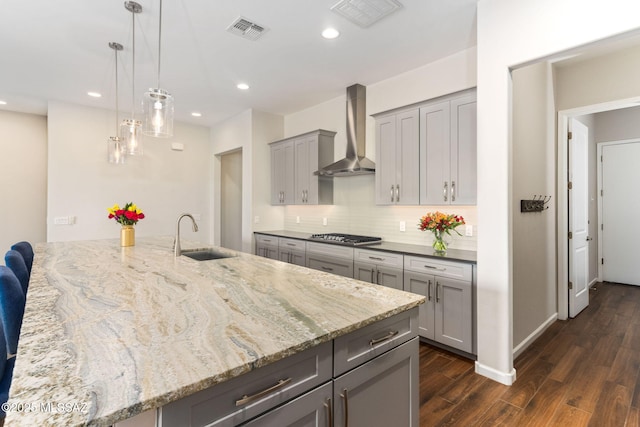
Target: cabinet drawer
point(342, 252)
point(221, 405)
point(333, 265)
point(364, 344)
point(294, 244)
point(443, 268)
point(388, 259)
point(264, 239)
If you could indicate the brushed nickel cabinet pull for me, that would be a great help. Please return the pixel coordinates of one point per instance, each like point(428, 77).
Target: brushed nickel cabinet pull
point(291, 244)
point(397, 193)
point(429, 290)
point(444, 191)
point(390, 335)
point(453, 191)
point(327, 268)
point(437, 292)
point(372, 276)
point(376, 258)
point(377, 277)
point(392, 194)
point(327, 405)
point(434, 268)
point(248, 399)
point(345, 399)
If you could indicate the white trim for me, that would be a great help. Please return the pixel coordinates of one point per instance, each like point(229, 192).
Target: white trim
point(534, 335)
point(506, 378)
point(593, 282)
point(562, 217)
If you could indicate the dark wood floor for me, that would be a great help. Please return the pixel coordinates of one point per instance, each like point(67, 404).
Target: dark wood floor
point(581, 372)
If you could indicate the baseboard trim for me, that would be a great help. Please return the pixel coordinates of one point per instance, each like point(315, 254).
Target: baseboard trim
point(534, 335)
point(593, 282)
point(506, 378)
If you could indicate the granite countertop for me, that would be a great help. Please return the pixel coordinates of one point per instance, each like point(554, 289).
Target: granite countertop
point(110, 332)
point(403, 248)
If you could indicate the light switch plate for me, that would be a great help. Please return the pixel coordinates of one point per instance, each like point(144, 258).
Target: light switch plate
point(297, 220)
point(403, 225)
point(256, 220)
point(324, 221)
point(468, 230)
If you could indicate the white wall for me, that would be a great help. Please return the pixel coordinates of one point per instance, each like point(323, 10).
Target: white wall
point(534, 233)
point(617, 125)
point(251, 131)
point(509, 34)
point(354, 209)
point(23, 162)
point(163, 183)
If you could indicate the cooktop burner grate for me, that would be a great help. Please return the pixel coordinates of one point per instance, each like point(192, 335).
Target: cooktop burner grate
point(346, 239)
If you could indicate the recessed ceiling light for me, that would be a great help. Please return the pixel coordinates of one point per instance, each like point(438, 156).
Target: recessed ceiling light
point(3, 102)
point(196, 114)
point(242, 86)
point(330, 33)
point(94, 94)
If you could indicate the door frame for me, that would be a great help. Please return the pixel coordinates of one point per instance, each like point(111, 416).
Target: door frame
point(562, 179)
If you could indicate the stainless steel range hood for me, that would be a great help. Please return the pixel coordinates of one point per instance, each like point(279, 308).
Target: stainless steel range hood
point(355, 163)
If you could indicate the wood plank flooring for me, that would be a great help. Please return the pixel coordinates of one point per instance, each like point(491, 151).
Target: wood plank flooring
point(581, 372)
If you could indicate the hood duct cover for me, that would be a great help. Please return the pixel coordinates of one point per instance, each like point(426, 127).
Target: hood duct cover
point(355, 162)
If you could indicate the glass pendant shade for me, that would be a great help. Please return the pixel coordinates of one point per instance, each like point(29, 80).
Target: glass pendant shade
point(117, 150)
point(131, 136)
point(157, 106)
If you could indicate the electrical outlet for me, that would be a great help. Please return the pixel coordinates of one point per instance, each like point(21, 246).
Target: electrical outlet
point(324, 221)
point(61, 220)
point(468, 230)
point(256, 220)
point(297, 220)
point(403, 225)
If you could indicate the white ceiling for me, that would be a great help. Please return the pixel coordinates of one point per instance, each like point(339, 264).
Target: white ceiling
point(58, 50)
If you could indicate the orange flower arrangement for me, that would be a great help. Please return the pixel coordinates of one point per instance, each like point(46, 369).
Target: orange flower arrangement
point(440, 223)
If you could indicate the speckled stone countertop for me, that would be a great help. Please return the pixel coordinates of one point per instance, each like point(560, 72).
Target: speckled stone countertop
point(110, 332)
point(403, 248)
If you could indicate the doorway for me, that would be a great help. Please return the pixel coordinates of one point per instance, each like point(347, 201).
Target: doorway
point(231, 200)
point(619, 204)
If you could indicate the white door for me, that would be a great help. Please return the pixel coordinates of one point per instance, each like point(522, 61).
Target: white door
point(620, 208)
point(231, 200)
point(578, 218)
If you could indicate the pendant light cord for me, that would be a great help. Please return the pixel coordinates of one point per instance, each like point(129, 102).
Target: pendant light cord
point(159, 42)
point(117, 121)
point(133, 66)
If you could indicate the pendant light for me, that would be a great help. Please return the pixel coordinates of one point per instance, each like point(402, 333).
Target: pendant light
point(130, 128)
point(117, 149)
point(158, 103)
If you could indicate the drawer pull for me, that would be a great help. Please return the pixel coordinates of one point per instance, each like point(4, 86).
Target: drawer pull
point(327, 405)
point(291, 244)
point(376, 258)
point(435, 268)
point(345, 399)
point(326, 268)
point(390, 335)
point(248, 399)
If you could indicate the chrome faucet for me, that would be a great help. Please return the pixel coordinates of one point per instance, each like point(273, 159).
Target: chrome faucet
point(177, 250)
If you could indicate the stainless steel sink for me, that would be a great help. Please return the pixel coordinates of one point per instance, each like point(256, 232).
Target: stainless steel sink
point(205, 254)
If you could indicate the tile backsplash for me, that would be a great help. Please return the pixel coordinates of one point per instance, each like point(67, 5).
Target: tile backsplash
point(355, 211)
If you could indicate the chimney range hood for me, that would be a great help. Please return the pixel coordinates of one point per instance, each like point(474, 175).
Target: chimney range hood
point(355, 162)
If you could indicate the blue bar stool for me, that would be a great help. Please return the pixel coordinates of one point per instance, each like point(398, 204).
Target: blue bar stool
point(26, 250)
point(12, 302)
point(13, 259)
point(6, 369)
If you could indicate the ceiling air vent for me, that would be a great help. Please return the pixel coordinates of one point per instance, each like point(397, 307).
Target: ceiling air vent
point(365, 13)
point(244, 28)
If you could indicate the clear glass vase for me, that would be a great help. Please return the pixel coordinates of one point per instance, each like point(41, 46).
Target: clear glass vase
point(439, 244)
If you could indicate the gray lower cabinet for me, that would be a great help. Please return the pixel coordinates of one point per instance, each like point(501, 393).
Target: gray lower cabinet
point(368, 377)
point(330, 258)
point(292, 251)
point(267, 246)
point(447, 315)
point(380, 268)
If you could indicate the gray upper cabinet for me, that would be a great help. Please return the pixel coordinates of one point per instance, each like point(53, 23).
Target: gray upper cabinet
point(282, 173)
point(448, 151)
point(293, 162)
point(397, 158)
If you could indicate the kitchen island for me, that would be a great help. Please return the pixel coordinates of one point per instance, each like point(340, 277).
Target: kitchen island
point(112, 332)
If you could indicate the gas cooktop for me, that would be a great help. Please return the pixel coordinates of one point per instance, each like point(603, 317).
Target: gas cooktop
point(346, 239)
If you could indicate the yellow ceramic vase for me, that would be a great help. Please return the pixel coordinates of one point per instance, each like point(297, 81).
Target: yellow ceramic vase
point(127, 235)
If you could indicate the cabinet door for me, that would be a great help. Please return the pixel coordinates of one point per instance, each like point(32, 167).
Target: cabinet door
point(423, 284)
point(302, 173)
point(313, 409)
point(365, 272)
point(381, 392)
point(434, 154)
point(284, 255)
point(389, 277)
point(386, 174)
point(407, 158)
point(463, 150)
point(282, 173)
point(453, 315)
point(298, 258)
